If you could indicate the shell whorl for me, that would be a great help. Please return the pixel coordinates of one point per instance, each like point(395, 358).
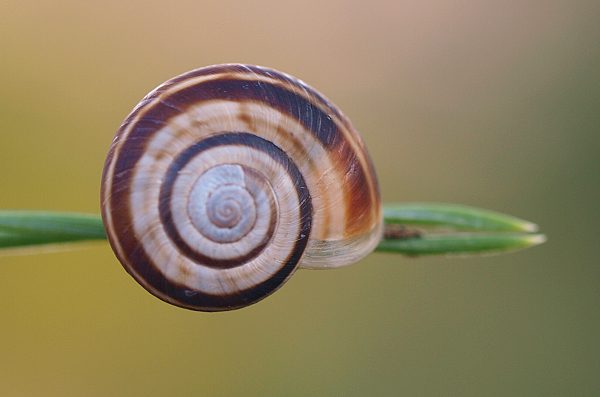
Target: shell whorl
point(224, 180)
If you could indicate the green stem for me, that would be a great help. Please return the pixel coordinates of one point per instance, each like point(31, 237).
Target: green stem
point(434, 228)
point(458, 217)
point(410, 229)
point(31, 228)
point(463, 244)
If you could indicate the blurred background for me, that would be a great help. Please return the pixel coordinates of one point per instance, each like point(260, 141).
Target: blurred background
point(494, 104)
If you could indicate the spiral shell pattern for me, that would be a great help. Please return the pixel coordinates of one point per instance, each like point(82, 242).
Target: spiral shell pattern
point(226, 179)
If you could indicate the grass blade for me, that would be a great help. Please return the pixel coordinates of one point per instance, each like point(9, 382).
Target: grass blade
point(30, 228)
point(439, 229)
point(411, 229)
point(464, 244)
point(454, 216)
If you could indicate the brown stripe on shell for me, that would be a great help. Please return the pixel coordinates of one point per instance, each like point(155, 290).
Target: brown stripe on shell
point(362, 200)
point(252, 71)
point(245, 117)
point(249, 73)
point(136, 262)
point(223, 139)
point(322, 126)
point(357, 219)
point(315, 171)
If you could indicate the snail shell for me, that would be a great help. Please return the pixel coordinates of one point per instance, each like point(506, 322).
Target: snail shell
point(226, 179)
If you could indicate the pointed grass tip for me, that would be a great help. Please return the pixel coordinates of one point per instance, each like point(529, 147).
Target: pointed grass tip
point(436, 229)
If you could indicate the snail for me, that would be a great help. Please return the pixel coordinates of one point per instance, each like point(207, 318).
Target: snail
point(225, 180)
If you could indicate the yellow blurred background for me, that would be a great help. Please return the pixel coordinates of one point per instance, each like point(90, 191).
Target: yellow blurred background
point(494, 104)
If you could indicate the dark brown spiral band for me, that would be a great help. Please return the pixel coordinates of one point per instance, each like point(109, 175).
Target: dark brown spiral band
point(229, 139)
point(311, 111)
point(226, 179)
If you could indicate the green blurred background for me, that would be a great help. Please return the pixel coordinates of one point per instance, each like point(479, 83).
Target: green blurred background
point(494, 104)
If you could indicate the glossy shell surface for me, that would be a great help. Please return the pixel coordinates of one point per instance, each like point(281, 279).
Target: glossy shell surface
point(226, 179)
